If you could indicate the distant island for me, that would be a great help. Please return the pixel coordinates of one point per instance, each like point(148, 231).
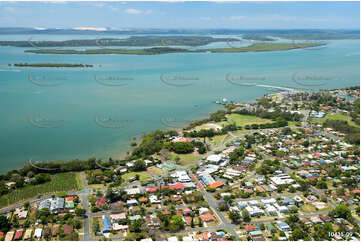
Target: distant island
point(167, 50)
point(304, 34)
point(50, 65)
point(257, 37)
point(145, 41)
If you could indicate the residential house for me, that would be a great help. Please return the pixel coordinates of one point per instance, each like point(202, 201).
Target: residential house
point(9, 236)
point(55, 230)
point(106, 225)
point(27, 235)
point(283, 226)
point(68, 229)
point(18, 234)
point(152, 221)
point(101, 202)
point(207, 217)
point(115, 218)
point(38, 232)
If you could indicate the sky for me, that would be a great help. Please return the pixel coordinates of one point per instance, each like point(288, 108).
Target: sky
point(187, 15)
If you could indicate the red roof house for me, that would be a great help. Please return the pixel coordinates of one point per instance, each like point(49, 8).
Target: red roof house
point(101, 201)
point(18, 234)
point(207, 217)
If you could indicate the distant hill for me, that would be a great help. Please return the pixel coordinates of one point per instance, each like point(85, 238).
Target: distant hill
point(316, 34)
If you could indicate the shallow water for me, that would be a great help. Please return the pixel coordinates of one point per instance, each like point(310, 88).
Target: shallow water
point(59, 113)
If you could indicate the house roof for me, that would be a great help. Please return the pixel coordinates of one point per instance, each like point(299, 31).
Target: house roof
point(203, 236)
point(101, 201)
point(106, 223)
point(356, 191)
point(27, 234)
point(118, 216)
point(143, 199)
point(216, 184)
point(250, 227)
point(68, 199)
point(9, 236)
point(68, 229)
point(207, 217)
point(55, 230)
point(260, 189)
point(18, 234)
point(177, 186)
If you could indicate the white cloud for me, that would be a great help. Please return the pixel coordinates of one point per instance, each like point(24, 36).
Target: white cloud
point(206, 18)
point(9, 9)
point(237, 17)
point(133, 11)
point(137, 11)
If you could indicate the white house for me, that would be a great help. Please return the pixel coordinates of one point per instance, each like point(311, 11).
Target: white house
point(154, 199)
point(37, 233)
point(203, 210)
point(132, 202)
point(132, 191)
point(271, 210)
point(215, 159)
point(254, 211)
point(283, 226)
point(268, 201)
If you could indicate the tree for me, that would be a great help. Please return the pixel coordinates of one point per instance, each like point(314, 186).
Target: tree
point(176, 223)
point(139, 165)
point(234, 216)
point(27, 205)
point(246, 216)
point(341, 211)
point(298, 234)
point(183, 147)
point(80, 211)
point(4, 224)
point(192, 222)
point(95, 226)
point(223, 206)
point(136, 226)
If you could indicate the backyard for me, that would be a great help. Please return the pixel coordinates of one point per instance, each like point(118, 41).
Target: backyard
point(59, 182)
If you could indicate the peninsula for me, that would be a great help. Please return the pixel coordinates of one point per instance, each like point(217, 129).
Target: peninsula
point(167, 50)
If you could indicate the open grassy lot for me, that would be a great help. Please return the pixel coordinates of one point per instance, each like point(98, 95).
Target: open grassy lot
point(307, 208)
point(156, 171)
point(217, 140)
point(335, 117)
point(143, 176)
point(185, 159)
point(241, 119)
point(97, 186)
point(59, 182)
point(79, 181)
point(238, 119)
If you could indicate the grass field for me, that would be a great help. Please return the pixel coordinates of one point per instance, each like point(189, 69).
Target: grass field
point(185, 159)
point(143, 176)
point(216, 140)
point(241, 119)
point(308, 208)
point(155, 170)
point(335, 117)
point(79, 181)
point(59, 182)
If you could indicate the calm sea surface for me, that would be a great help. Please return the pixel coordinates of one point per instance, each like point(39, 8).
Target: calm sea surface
point(61, 114)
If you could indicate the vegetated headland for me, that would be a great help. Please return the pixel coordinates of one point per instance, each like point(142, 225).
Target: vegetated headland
point(50, 65)
point(167, 50)
point(145, 41)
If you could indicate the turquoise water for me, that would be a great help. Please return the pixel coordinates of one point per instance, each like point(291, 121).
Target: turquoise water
point(78, 113)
